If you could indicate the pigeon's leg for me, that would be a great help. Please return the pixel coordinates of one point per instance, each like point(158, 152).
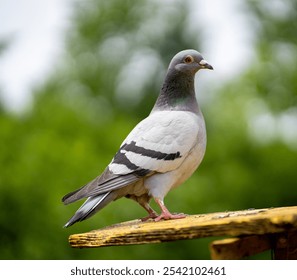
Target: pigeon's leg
point(152, 214)
point(166, 215)
point(144, 202)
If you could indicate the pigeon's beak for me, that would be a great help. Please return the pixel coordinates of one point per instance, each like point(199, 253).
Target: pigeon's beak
point(203, 63)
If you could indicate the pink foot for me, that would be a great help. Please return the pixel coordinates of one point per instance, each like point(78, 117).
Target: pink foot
point(151, 212)
point(150, 216)
point(166, 215)
point(169, 216)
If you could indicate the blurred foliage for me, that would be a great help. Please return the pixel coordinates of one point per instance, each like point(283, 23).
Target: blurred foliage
point(82, 113)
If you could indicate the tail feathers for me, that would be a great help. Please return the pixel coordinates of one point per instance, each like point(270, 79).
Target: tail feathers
point(90, 207)
point(70, 197)
point(107, 182)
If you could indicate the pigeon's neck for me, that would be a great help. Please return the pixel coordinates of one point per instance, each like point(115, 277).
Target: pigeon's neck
point(177, 94)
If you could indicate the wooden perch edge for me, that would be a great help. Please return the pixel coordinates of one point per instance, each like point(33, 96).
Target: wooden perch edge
point(238, 223)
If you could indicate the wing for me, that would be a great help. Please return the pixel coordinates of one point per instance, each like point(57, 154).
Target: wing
point(159, 143)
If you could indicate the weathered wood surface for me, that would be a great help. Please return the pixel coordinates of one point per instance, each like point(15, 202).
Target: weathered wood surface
point(240, 247)
point(237, 223)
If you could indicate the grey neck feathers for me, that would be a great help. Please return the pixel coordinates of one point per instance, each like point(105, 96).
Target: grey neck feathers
point(177, 93)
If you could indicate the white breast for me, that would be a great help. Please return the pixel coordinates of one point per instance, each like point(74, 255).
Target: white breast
point(160, 184)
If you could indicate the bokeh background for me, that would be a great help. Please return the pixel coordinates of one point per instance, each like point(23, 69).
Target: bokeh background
point(113, 58)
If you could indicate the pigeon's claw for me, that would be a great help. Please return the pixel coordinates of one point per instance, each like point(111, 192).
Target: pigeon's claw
point(166, 215)
point(169, 216)
point(152, 215)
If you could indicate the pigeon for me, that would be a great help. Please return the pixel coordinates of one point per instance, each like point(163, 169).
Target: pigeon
point(159, 154)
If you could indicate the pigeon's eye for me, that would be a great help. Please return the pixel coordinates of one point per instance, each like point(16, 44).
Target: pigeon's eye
point(189, 59)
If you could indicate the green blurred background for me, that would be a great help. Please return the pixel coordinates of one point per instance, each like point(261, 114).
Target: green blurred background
point(114, 60)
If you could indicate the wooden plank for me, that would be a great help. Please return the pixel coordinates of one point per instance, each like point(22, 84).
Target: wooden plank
point(286, 246)
point(247, 222)
point(239, 247)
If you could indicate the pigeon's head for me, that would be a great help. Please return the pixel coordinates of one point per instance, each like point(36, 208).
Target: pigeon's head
point(188, 61)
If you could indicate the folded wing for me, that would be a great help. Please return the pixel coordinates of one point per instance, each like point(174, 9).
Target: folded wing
point(158, 144)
